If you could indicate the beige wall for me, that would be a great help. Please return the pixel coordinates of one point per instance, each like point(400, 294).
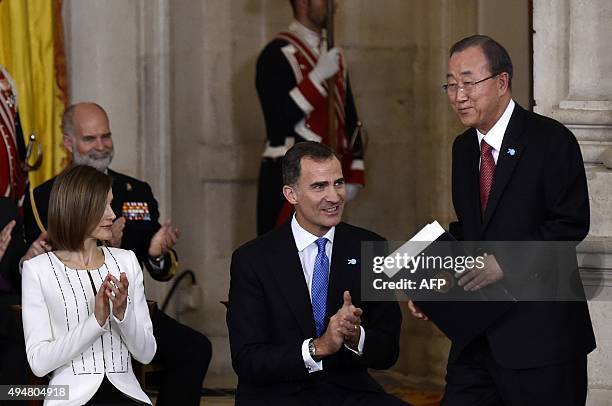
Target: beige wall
point(508, 22)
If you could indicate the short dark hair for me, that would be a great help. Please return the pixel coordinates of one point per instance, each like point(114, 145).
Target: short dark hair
point(497, 57)
point(293, 159)
point(77, 203)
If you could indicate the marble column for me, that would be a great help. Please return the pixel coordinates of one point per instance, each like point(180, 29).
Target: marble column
point(572, 80)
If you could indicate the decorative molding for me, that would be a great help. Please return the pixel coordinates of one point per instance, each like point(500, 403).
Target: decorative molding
point(596, 277)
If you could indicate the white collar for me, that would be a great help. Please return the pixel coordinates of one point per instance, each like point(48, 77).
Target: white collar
point(311, 37)
point(303, 238)
point(495, 136)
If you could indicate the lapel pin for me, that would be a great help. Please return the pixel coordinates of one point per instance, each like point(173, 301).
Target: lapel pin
point(511, 151)
point(352, 261)
point(128, 186)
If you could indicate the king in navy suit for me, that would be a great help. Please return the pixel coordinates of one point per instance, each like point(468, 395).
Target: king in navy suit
point(299, 331)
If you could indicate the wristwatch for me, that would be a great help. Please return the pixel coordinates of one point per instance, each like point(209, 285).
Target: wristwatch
point(312, 350)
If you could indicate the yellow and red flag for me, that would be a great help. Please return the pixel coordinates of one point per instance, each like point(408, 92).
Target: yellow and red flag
point(32, 50)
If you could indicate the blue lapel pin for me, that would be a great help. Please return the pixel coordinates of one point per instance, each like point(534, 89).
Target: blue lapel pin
point(352, 261)
point(511, 151)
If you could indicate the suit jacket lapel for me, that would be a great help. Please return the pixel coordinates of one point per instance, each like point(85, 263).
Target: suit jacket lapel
point(509, 155)
point(287, 268)
point(337, 272)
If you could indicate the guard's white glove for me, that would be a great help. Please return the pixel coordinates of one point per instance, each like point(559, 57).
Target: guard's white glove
point(327, 66)
point(352, 189)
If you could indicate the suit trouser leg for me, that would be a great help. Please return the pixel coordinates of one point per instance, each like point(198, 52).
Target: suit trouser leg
point(184, 354)
point(475, 378)
point(326, 394)
point(562, 384)
point(468, 381)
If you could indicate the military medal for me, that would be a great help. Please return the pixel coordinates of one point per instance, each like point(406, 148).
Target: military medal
point(136, 211)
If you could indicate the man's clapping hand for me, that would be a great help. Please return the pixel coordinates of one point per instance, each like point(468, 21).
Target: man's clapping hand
point(40, 246)
point(5, 237)
point(163, 240)
point(343, 328)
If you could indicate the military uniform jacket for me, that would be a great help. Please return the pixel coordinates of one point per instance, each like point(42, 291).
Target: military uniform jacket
point(13, 177)
point(295, 108)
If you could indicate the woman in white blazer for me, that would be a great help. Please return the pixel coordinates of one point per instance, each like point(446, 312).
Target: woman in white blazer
point(84, 310)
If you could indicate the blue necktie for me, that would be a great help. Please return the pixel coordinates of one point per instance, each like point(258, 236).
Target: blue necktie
point(319, 286)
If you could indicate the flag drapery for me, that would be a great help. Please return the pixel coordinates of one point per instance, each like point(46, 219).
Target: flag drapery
point(32, 50)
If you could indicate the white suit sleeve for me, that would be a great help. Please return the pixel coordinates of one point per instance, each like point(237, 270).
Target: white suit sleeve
point(45, 351)
point(136, 327)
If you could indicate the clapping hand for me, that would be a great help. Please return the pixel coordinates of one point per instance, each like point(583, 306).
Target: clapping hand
point(115, 290)
point(343, 328)
point(350, 320)
point(117, 293)
point(163, 240)
point(38, 247)
point(5, 237)
point(102, 306)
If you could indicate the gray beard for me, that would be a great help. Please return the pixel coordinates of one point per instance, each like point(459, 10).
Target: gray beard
point(99, 160)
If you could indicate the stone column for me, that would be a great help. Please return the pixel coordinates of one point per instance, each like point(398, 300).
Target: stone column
point(572, 75)
point(102, 49)
point(118, 57)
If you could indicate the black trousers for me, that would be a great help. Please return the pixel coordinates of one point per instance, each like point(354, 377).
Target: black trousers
point(184, 354)
point(270, 199)
point(475, 378)
point(330, 395)
point(108, 395)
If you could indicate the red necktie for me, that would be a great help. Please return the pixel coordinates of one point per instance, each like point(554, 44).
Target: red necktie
point(487, 169)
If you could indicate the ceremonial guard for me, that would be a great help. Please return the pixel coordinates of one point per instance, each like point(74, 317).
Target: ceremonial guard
point(13, 186)
point(13, 175)
point(294, 74)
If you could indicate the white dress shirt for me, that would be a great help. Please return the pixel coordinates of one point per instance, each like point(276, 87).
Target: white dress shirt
point(307, 251)
point(495, 136)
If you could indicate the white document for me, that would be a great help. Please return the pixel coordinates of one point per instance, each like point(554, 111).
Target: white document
point(413, 247)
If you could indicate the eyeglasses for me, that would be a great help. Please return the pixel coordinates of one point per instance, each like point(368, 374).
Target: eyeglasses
point(465, 87)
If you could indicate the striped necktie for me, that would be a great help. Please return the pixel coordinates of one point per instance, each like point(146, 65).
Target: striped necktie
point(487, 170)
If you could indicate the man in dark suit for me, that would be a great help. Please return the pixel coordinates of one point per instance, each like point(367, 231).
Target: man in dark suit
point(299, 332)
point(183, 352)
point(517, 176)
